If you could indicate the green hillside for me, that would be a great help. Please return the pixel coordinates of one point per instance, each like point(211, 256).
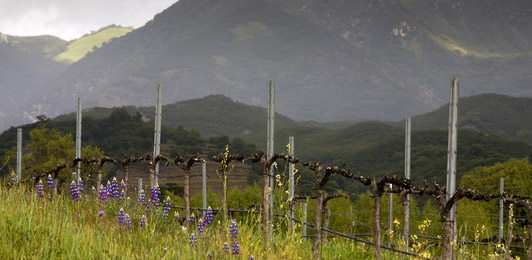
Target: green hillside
point(212, 115)
point(124, 134)
point(506, 116)
point(366, 147)
point(429, 154)
point(80, 47)
point(378, 148)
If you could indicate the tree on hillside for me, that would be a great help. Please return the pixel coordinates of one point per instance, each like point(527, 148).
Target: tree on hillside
point(49, 148)
point(517, 174)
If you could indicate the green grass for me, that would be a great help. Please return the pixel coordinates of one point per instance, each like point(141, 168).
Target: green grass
point(60, 228)
point(80, 47)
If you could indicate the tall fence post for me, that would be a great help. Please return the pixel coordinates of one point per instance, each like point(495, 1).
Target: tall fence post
point(291, 180)
point(270, 149)
point(139, 185)
point(19, 154)
point(390, 214)
point(451, 154)
point(78, 140)
point(406, 227)
point(157, 137)
point(204, 185)
point(304, 221)
point(501, 208)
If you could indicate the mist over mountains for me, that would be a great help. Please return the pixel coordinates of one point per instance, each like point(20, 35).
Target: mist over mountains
point(331, 60)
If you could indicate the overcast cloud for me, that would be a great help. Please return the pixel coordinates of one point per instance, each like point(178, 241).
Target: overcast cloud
point(70, 19)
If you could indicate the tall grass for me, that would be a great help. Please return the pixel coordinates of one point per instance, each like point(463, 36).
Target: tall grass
point(61, 228)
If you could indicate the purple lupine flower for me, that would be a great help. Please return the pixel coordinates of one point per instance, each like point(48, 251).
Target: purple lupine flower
point(50, 182)
point(155, 191)
point(143, 221)
point(167, 205)
point(192, 218)
point(14, 178)
point(122, 195)
point(100, 213)
point(93, 190)
point(200, 226)
point(234, 238)
point(233, 230)
point(40, 189)
point(176, 216)
point(142, 197)
point(148, 206)
point(208, 217)
point(74, 190)
point(128, 221)
point(209, 255)
point(109, 189)
point(121, 218)
point(122, 184)
point(226, 248)
point(236, 248)
point(115, 190)
point(103, 193)
point(251, 258)
point(80, 185)
point(193, 242)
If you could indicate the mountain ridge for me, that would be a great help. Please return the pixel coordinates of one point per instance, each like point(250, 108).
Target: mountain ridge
point(334, 60)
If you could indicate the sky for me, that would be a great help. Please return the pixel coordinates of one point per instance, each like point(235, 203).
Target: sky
point(70, 19)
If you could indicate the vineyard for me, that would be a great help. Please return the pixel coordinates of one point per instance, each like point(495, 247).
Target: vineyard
point(92, 208)
point(187, 223)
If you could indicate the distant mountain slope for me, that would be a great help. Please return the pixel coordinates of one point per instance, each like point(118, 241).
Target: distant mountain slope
point(212, 115)
point(45, 45)
point(429, 154)
point(333, 60)
point(87, 43)
point(20, 74)
point(506, 116)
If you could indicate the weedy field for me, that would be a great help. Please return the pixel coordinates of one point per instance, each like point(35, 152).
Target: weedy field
point(40, 225)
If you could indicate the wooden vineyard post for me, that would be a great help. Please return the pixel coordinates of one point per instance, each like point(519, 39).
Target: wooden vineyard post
point(321, 179)
point(261, 157)
point(304, 226)
point(377, 189)
point(326, 219)
point(100, 163)
point(186, 165)
point(225, 159)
